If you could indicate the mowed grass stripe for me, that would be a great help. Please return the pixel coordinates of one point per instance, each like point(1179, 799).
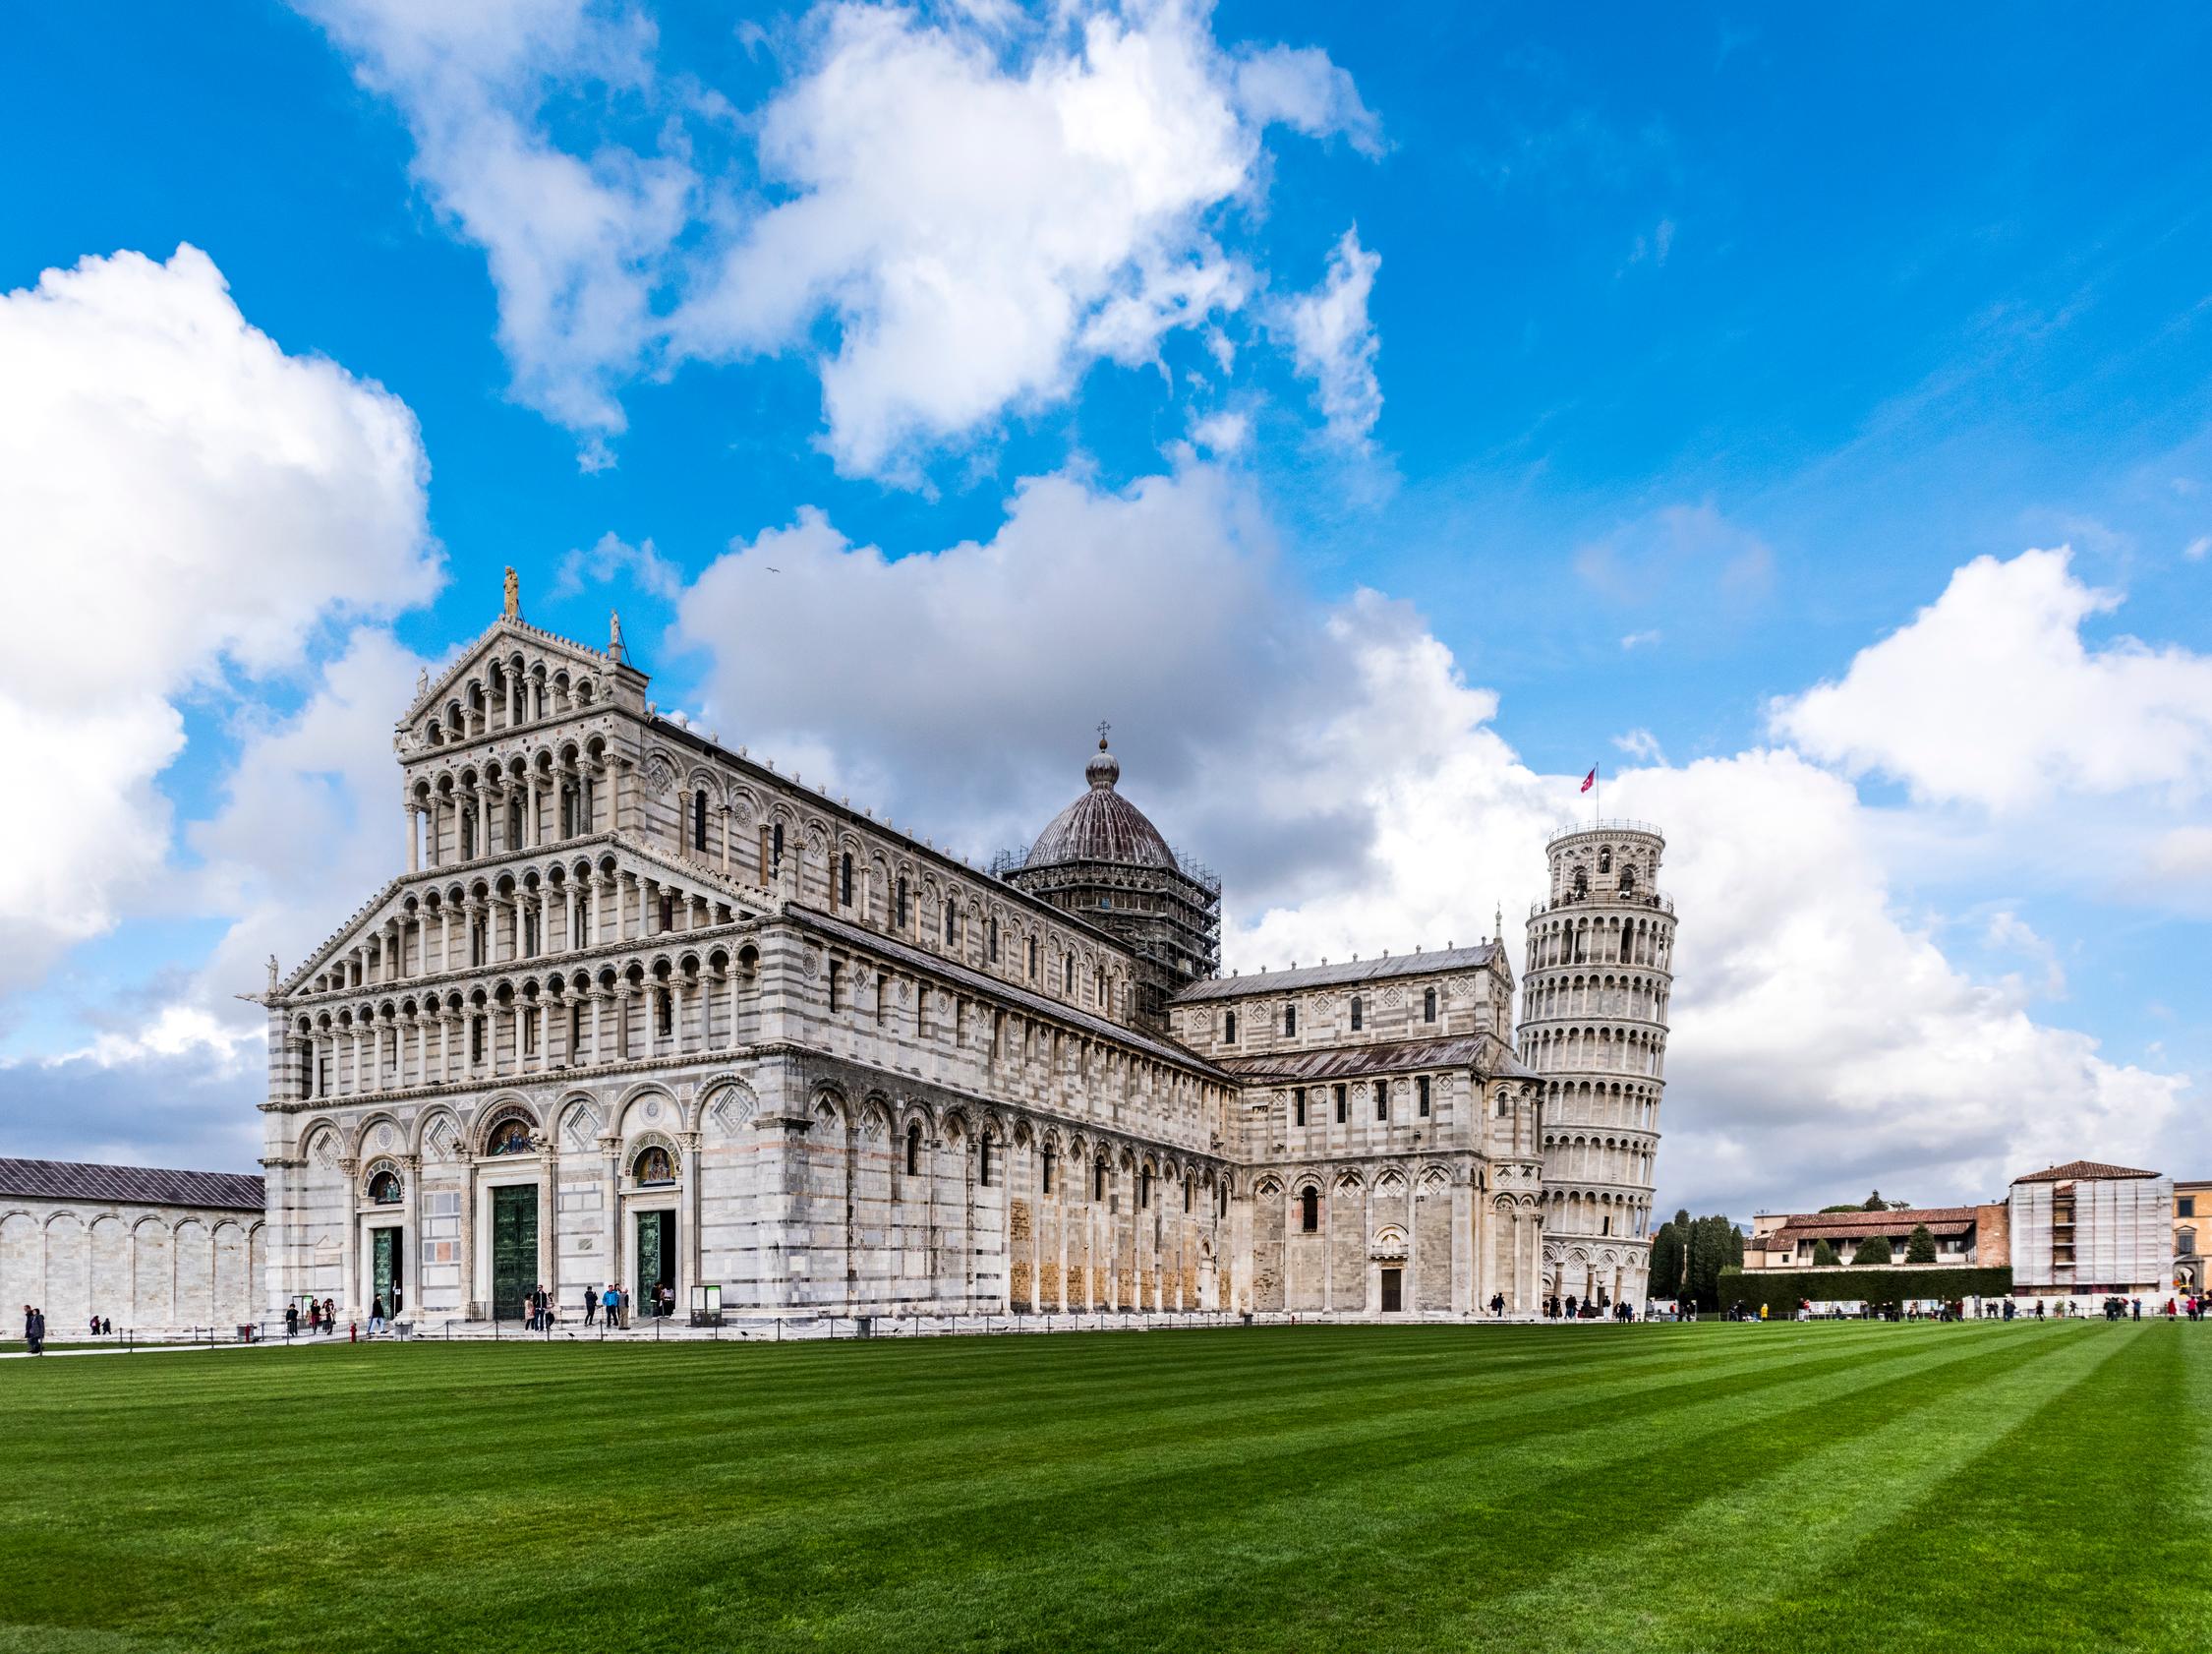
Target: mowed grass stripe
point(1756, 1545)
point(2076, 1529)
point(564, 1522)
point(1389, 1563)
point(1308, 1487)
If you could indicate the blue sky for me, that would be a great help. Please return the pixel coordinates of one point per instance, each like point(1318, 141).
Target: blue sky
point(1642, 376)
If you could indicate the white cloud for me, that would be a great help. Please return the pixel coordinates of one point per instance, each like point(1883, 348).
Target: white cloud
point(2194, 550)
point(1354, 792)
point(1639, 640)
point(576, 244)
point(970, 205)
point(1335, 341)
point(612, 557)
point(189, 501)
point(1223, 433)
point(1991, 696)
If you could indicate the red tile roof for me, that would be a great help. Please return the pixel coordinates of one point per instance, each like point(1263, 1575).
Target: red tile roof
point(1850, 1225)
point(2081, 1170)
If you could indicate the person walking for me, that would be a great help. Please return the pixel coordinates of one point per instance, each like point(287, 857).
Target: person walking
point(291, 1321)
point(34, 1328)
point(622, 1307)
point(376, 1316)
point(591, 1306)
point(329, 1316)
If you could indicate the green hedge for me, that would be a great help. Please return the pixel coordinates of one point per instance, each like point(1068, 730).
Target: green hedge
point(1782, 1291)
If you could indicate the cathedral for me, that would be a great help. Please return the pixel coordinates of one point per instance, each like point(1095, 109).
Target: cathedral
point(644, 1010)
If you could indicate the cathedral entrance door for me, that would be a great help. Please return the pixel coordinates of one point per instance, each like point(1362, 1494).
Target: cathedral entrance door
point(1394, 1291)
point(386, 1269)
point(514, 1249)
point(656, 1260)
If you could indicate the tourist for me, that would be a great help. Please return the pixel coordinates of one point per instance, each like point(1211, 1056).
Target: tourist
point(591, 1306)
point(34, 1328)
point(291, 1321)
point(107, 1328)
point(376, 1316)
point(315, 1316)
point(1498, 1303)
point(329, 1316)
point(609, 1301)
point(2134, 1309)
point(623, 1307)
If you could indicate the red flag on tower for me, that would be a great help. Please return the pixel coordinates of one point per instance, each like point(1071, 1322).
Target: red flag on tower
point(1591, 780)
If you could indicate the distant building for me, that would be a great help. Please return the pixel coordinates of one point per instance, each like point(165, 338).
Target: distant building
point(2189, 1202)
point(1788, 1240)
point(2090, 1228)
point(2082, 1229)
point(147, 1250)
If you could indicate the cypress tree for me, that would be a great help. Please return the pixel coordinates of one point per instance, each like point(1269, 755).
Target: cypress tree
point(1824, 1255)
point(1920, 1245)
point(1873, 1250)
point(1666, 1263)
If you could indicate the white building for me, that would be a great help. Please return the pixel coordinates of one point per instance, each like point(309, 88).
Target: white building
point(147, 1250)
point(643, 1009)
point(2090, 1230)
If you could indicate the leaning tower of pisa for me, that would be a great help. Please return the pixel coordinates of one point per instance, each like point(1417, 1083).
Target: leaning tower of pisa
point(1600, 970)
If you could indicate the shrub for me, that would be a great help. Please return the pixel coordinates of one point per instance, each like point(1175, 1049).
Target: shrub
point(1783, 1290)
point(1873, 1250)
point(1824, 1255)
point(1920, 1245)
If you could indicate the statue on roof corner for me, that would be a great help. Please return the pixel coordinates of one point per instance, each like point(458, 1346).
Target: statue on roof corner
point(273, 973)
point(614, 633)
point(514, 596)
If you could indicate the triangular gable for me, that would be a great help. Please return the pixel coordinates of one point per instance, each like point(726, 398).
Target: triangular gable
point(502, 638)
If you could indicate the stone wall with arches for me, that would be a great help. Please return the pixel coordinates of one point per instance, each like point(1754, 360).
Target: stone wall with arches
point(141, 1268)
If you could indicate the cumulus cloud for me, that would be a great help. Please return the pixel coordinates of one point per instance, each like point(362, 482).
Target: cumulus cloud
point(191, 503)
point(1335, 341)
point(957, 211)
point(576, 243)
point(1353, 789)
point(612, 558)
point(1991, 696)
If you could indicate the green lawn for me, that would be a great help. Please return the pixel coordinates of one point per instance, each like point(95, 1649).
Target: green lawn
point(1842, 1486)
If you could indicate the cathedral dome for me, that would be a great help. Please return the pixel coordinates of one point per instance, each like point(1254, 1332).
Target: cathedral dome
point(1102, 825)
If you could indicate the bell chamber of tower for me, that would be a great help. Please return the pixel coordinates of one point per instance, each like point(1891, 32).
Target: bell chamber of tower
point(1593, 1014)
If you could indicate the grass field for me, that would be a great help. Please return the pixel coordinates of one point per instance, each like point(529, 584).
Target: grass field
point(1842, 1486)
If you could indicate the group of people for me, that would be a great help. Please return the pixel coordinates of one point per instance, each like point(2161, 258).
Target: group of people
point(34, 1328)
point(321, 1317)
point(1573, 1308)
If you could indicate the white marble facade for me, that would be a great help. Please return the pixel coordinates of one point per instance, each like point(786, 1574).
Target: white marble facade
point(147, 1251)
point(642, 1008)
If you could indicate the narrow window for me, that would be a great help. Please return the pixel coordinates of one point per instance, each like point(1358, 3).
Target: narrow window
point(951, 922)
point(1298, 1104)
point(1068, 976)
point(1145, 1190)
point(476, 1039)
point(1421, 1090)
point(834, 970)
point(575, 1030)
point(902, 904)
point(1099, 1178)
point(991, 939)
point(844, 880)
point(1310, 1211)
point(1222, 1203)
point(1340, 1105)
point(529, 1033)
point(1046, 1163)
point(1189, 1183)
point(883, 995)
point(1290, 1021)
point(699, 819)
point(776, 850)
point(1228, 1027)
point(664, 1004)
point(913, 1150)
point(984, 1162)
point(1032, 959)
point(1358, 1014)
point(1429, 1005)
point(1382, 1100)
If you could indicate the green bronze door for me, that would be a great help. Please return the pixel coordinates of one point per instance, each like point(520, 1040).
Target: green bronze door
point(384, 1270)
point(514, 1249)
point(655, 1259)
